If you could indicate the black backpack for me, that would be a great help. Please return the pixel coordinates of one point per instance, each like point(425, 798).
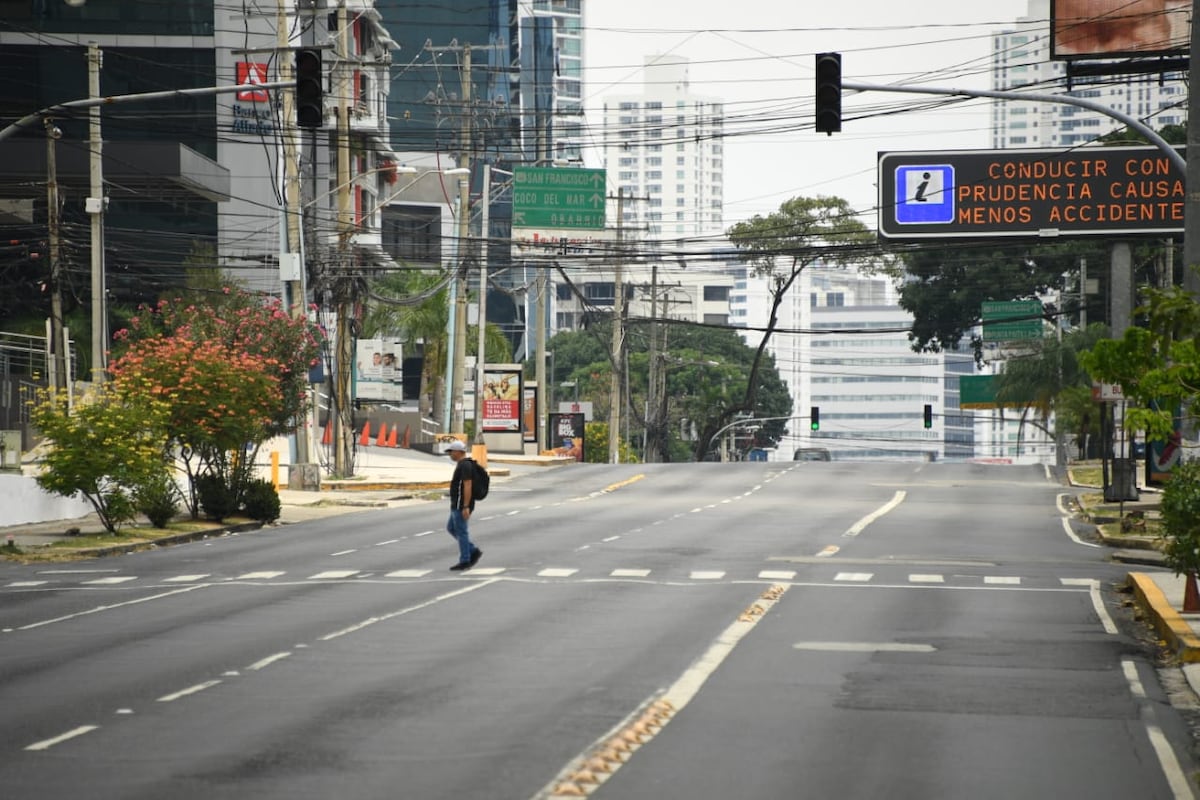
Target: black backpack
point(481, 483)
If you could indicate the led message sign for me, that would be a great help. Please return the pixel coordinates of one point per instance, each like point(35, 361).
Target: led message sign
point(987, 193)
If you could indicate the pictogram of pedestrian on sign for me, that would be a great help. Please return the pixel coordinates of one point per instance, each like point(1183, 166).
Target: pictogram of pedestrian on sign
point(924, 194)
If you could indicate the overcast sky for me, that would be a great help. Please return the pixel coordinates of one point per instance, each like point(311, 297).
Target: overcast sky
point(757, 57)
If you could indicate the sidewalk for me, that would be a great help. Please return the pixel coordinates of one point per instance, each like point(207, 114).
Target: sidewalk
point(385, 478)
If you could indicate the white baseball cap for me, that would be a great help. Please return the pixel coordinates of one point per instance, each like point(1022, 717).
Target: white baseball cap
point(456, 446)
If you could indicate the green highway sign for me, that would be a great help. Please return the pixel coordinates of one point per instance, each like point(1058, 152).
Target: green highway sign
point(1008, 321)
point(546, 197)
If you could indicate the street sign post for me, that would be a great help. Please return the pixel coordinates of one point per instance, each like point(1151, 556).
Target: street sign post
point(1009, 321)
point(551, 198)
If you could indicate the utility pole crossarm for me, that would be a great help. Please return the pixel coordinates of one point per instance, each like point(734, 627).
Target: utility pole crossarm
point(1151, 135)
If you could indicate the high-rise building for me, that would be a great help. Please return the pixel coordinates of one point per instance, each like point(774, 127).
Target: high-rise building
point(1021, 60)
point(566, 130)
point(664, 144)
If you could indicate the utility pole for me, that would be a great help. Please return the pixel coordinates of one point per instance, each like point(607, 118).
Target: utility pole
point(343, 441)
point(618, 336)
point(95, 208)
point(479, 449)
point(290, 259)
point(651, 438)
point(459, 320)
point(53, 231)
point(1191, 208)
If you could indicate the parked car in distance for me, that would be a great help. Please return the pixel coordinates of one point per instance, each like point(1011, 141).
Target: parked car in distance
point(811, 454)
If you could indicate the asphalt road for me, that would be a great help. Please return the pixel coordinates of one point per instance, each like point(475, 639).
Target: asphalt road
point(751, 630)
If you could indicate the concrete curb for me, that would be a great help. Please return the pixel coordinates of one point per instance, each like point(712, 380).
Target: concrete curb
point(1168, 622)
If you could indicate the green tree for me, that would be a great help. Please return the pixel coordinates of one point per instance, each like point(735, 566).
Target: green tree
point(779, 246)
point(107, 447)
point(1157, 366)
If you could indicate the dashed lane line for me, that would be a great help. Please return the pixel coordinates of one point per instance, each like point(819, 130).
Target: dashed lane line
point(46, 744)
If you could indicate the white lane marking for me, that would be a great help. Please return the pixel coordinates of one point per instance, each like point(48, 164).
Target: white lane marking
point(1131, 675)
point(696, 510)
point(256, 576)
point(777, 574)
point(98, 609)
point(46, 744)
point(859, 526)
point(409, 573)
point(865, 647)
point(110, 581)
point(268, 661)
point(1066, 523)
point(553, 572)
point(858, 577)
point(199, 687)
point(343, 552)
point(1176, 778)
point(333, 574)
point(706, 575)
point(487, 570)
point(926, 579)
point(1002, 579)
point(185, 578)
point(828, 550)
point(389, 541)
point(358, 626)
point(513, 513)
point(74, 571)
point(629, 573)
point(25, 584)
point(1106, 619)
point(1062, 507)
point(611, 538)
point(422, 533)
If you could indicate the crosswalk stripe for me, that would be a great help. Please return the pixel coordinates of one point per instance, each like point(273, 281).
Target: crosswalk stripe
point(629, 573)
point(109, 581)
point(854, 577)
point(926, 579)
point(487, 570)
point(1001, 579)
point(185, 578)
point(553, 572)
point(26, 584)
point(777, 574)
point(332, 574)
point(258, 576)
point(706, 575)
point(409, 573)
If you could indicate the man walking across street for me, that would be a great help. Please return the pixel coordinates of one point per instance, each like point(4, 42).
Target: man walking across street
point(462, 503)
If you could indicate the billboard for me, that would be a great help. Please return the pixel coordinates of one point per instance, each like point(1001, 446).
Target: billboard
point(501, 405)
point(379, 375)
point(980, 194)
point(1115, 28)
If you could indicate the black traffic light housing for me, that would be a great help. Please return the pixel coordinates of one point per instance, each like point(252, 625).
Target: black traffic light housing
point(928, 416)
point(814, 418)
point(310, 89)
point(829, 93)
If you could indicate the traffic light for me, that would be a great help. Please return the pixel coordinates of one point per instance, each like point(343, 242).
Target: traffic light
point(829, 93)
point(928, 416)
point(310, 89)
point(814, 419)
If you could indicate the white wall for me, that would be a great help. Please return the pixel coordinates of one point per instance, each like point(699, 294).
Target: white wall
point(24, 502)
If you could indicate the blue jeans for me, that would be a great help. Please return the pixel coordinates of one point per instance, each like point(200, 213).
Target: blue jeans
point(456, 526)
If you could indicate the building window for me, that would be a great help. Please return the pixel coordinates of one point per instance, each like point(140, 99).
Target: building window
point(716, 293)
point(412, 233)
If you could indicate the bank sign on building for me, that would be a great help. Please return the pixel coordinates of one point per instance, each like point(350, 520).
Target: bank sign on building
point(1032, 193)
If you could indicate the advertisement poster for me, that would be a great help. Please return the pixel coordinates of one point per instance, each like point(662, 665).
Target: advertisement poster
point(501, 400)
point(529, 413)
point(566, 434)
point(379, 374)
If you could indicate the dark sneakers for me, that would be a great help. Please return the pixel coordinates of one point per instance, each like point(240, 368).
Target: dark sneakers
point(475, 556)
point(460, 566)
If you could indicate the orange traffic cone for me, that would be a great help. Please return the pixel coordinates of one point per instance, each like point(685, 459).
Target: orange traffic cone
point(327, 437)
point(365, 439)
point(391, 442)
point(1191, 596)
point(381, 439)
point(406, 442)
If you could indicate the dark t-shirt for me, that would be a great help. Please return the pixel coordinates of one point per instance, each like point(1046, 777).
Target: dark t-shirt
point(464, 470)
